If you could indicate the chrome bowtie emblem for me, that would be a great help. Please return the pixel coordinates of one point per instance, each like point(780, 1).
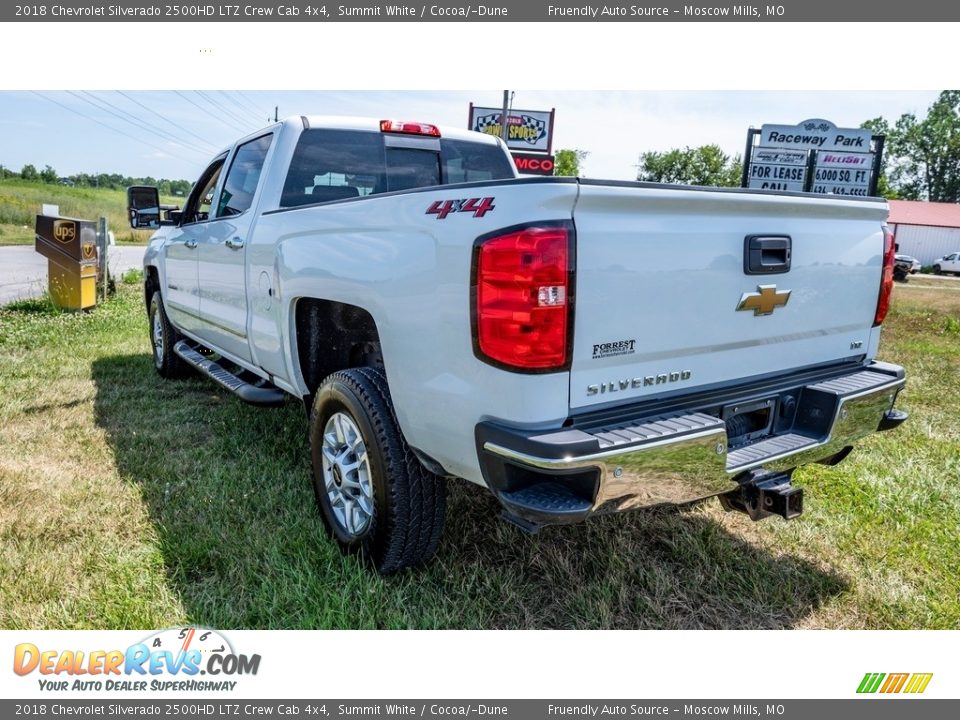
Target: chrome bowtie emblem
point(764, 301)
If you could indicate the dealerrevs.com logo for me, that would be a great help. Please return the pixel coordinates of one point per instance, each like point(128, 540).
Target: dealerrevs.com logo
point(180, 659)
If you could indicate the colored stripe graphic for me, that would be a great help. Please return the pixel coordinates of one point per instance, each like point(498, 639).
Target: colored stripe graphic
point(918, 683)
point(894, 683)
point(870, 682)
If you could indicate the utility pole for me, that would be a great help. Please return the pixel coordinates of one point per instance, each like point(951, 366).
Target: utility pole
point(504, 115)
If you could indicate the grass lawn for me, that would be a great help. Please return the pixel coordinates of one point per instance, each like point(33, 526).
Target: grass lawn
point(127, 501)
point(20, 203)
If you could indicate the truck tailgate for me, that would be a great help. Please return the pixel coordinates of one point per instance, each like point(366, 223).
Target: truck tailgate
point(660, 275)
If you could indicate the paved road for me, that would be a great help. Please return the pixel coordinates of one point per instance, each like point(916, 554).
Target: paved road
point(23, 271)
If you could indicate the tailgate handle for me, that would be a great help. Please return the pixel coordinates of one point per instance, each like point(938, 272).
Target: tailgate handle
point(766, 254)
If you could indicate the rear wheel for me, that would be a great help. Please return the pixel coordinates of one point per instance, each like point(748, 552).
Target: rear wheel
point(374, 495)
point(163, 336)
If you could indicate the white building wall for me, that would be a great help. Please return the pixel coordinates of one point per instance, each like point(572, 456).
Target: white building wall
point(926, 243)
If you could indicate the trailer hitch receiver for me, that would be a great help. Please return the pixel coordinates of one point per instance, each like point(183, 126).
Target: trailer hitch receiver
point(764, 494)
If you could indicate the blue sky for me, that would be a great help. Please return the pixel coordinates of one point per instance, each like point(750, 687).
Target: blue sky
point(170, 134)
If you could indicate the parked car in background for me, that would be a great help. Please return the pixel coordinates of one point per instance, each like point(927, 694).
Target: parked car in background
point(909, 263)
point(948, 264)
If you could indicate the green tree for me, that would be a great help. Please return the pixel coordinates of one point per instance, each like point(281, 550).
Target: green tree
point(48, 174)
point(567, 162)
point(923, 155)
point(704, 165)
point(29, 172)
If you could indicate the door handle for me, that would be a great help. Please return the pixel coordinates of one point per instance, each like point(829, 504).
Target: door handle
point(766, 254)
point(190, 244)
point(234, 243)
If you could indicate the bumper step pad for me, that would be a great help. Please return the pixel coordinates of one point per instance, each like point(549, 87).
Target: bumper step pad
point(547, 497)
point(766, 449)
point(662, 427)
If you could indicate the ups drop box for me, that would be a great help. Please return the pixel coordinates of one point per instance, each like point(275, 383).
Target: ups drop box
point(70, 246)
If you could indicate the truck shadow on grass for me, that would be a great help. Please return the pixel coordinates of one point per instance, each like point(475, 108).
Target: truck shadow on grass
point(227, 488)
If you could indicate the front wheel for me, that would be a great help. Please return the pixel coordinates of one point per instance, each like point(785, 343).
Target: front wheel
point(163, 336)
point(937, 270)
point(374, 495)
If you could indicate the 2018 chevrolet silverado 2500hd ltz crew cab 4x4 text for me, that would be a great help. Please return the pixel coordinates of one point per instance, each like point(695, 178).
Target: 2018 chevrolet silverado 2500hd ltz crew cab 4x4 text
point(576, 346)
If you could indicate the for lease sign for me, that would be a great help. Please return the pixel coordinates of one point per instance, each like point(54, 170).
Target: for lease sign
point(778, 169)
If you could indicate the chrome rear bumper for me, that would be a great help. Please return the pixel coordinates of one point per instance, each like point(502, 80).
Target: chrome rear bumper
point(679, 457)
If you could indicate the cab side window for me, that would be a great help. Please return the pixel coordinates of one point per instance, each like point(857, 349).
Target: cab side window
point(243, 177)
point(201, 199)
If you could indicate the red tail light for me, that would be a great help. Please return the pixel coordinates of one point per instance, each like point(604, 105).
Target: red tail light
point(409, 128)
point(886, 278)
point(523, 297)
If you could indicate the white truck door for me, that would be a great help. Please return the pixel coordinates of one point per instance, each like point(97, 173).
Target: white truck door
point(181, 292)
point(222, 252)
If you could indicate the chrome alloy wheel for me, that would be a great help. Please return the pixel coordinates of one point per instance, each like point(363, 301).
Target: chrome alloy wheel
point(346, 474)
point(157, 337)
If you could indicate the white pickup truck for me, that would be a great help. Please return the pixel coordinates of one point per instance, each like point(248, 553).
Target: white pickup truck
point(576, 346)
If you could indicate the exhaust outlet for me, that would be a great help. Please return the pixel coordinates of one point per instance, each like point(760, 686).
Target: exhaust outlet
point(764, 494)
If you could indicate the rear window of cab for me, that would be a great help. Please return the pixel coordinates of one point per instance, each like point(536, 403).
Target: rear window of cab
point(341, 164)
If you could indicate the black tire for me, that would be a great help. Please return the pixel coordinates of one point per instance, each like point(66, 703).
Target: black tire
point(408, 502)
point(165, 360)
point(936, 270)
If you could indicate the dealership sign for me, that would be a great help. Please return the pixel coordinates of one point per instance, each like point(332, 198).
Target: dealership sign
point(815, 156)
point(527, 130)
point(533, 163)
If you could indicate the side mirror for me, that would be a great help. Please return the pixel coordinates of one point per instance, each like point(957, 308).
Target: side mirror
point(143, 206)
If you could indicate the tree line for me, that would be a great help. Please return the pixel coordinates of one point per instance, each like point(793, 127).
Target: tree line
point(113, 181)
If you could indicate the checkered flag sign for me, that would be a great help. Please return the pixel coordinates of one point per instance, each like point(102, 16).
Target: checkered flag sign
point(536, 129)
point(487, 121)
point(524, 128)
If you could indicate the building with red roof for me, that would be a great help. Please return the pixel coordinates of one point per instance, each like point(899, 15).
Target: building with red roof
point(925, 230)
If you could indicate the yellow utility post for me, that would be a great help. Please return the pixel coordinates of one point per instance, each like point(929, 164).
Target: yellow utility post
point(70, 246)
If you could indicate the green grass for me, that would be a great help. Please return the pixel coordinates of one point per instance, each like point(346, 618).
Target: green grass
point(20, 203)
point(127, 501)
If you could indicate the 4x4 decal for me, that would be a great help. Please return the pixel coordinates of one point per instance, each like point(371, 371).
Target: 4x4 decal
point(478, 206)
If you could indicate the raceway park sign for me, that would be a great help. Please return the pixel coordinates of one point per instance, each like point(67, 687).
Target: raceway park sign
point(527, 130)
point(814, 156)
point(816, 134)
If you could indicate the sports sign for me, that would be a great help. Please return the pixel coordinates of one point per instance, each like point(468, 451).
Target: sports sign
point(533, 164)
point(527, 130)
point(815, 156)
